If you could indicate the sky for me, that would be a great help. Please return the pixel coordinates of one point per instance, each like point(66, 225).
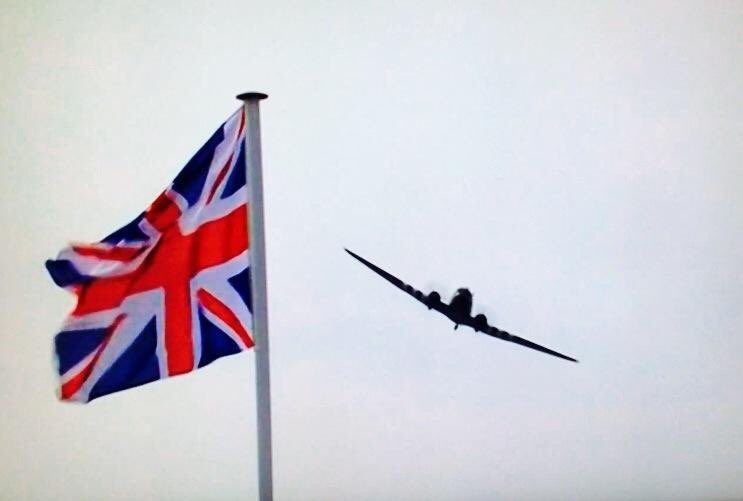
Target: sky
point(575, 164)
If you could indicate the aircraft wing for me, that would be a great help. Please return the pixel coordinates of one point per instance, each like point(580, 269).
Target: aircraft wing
point(432, 303)
point(505, 336)
point(443, 308)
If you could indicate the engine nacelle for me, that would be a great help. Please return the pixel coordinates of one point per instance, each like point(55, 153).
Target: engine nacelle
point(481, 321)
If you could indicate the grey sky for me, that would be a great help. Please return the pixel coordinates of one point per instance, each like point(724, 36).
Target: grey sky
point(576, 165)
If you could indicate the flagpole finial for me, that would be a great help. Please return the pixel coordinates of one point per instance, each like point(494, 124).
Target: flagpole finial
point(249, 96)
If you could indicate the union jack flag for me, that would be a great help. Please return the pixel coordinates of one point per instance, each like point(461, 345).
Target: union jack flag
point(169, 292)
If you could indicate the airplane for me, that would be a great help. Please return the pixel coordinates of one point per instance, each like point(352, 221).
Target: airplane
point(459, 309)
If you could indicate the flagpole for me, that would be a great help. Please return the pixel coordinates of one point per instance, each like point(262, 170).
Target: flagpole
point(253, 164)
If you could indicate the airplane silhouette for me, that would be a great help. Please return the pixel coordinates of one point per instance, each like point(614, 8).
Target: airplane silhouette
point(459, 310)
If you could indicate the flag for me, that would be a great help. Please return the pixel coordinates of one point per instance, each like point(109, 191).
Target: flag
point(170, 291)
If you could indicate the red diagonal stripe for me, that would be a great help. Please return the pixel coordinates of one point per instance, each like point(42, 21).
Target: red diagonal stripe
point(73, 385)
point(225, 314)
point(226, 167)
point(123, 254)
point(242, 124)
point(219, 179)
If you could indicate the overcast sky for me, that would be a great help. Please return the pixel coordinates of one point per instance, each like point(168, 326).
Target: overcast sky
point(577, 165)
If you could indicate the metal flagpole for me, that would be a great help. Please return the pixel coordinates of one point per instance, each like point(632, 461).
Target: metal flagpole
point(258, 289)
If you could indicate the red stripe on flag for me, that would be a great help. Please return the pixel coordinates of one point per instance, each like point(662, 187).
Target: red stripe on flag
point(219, 179)
point(219, 241)
point(226, 167)
point(225, 314)
point(122, 254)
point(178, 337)
point(242, 125)
point(73, 385)
point(162, 213)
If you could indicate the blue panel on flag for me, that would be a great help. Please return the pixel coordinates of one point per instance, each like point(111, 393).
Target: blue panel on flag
point(190, 181)
point(237, 176)
point(138, 365)
point(73, 346)
point(64, 273)
point(214, 342)
point(129, 233)
point(241, 283)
